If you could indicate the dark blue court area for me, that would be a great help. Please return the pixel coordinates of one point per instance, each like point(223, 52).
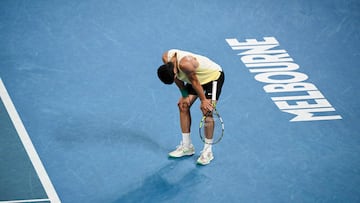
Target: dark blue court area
point(84, 118)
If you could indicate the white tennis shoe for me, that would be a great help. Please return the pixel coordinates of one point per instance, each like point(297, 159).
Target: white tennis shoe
point(205, 157)
point(182, 150)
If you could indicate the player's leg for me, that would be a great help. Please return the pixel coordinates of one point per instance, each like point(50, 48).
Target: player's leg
point(185, 115)
point(209, 121)
point(209, 126)
point(185, 148)
point(206, 154)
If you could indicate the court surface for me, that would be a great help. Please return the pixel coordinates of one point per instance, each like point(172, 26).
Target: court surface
point(84, 117)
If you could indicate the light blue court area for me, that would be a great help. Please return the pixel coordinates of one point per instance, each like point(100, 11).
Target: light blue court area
point(84, 118)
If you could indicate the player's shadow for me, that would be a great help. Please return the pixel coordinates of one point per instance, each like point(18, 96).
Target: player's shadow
point(164, 185)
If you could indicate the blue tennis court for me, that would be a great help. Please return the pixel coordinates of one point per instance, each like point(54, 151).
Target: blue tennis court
point(84, 117)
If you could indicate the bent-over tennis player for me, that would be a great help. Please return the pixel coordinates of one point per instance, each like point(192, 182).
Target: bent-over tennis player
point(193, 74)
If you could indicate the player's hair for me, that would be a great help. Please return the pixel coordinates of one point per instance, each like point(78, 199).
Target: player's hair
point(166, 73)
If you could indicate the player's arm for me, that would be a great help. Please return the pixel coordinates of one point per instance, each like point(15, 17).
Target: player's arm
point(180, 84)
point(188, 65)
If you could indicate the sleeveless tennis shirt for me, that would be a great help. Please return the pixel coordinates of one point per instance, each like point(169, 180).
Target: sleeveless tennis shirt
point(207, 71)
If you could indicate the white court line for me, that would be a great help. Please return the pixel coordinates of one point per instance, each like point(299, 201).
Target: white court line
point(26, 201)
point(28, 145)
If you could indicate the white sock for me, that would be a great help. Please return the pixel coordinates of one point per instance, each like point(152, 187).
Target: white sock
point(208, 147)
point(186, 139)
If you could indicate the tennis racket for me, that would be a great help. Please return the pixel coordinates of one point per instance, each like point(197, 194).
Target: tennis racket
point(211, 124)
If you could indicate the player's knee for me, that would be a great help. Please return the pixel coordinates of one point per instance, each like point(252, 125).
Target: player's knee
point(209, 118)
point(183, 107)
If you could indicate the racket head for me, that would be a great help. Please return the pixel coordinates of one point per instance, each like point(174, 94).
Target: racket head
point(211, 121)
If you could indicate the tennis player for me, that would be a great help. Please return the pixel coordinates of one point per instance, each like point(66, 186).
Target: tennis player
point(193, 75)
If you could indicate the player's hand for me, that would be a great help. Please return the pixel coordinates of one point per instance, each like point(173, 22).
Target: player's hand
point(206, 107)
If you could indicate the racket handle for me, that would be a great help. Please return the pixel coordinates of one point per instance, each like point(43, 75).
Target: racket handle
point(213, 93)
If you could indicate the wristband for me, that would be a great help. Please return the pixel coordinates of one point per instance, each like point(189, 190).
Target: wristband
point(184, 92)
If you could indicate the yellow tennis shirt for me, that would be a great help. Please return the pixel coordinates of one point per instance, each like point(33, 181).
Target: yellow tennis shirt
point(207, 71)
